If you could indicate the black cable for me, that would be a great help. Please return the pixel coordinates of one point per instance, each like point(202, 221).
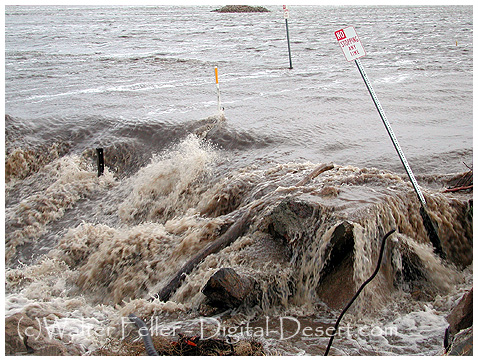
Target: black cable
point(144, 332)
point(358, 291)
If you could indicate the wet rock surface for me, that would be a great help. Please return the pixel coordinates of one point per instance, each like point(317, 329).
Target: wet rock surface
point(226, 289)
point(335, 287)
point(291, 219)
point(459, 335)
point(462, 344)
point(461, 316)
point(328, 242)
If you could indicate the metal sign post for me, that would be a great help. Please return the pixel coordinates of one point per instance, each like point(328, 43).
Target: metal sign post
point(286, 17)
point(353, 50)
point(391, 133)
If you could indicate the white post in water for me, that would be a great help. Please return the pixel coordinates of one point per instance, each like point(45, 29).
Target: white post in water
point(353, 50)
point(286, 17)
point(219, 107)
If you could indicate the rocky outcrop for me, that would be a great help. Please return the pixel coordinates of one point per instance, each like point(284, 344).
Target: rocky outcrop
point(241, 9)
point(462, 344)
point(226, 289)
point(461, 316)
point(298, 223)
point(333, 249)
point(459, 335)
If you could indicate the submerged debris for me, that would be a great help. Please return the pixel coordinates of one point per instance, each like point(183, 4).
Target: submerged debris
point(461, 182)
point(185, 346)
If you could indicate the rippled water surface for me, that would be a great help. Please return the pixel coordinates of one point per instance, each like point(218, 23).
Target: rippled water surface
point(94, 68)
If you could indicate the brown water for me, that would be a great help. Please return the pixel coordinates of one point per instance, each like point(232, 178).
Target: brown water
point(142, 228)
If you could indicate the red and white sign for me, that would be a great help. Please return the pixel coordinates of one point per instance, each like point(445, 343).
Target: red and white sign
point(350, 43)
point(286, 11)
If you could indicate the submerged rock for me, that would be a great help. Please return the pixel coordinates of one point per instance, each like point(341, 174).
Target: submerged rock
point(241, 9)
point(408, 271)
point(291, 218)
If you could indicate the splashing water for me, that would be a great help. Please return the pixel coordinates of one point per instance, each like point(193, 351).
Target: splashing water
point(172, 212)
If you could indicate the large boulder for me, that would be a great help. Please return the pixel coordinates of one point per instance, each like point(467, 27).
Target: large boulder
point(226, 289)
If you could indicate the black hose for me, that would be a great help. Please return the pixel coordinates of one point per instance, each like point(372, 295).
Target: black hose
point(144, 332)
point(380, 256)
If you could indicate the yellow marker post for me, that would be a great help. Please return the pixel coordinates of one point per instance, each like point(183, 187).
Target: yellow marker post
point(219, 108)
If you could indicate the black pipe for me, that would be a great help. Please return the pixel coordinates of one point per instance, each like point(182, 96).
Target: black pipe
point(382, 247)
point(101, 161)
point(144, 332)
